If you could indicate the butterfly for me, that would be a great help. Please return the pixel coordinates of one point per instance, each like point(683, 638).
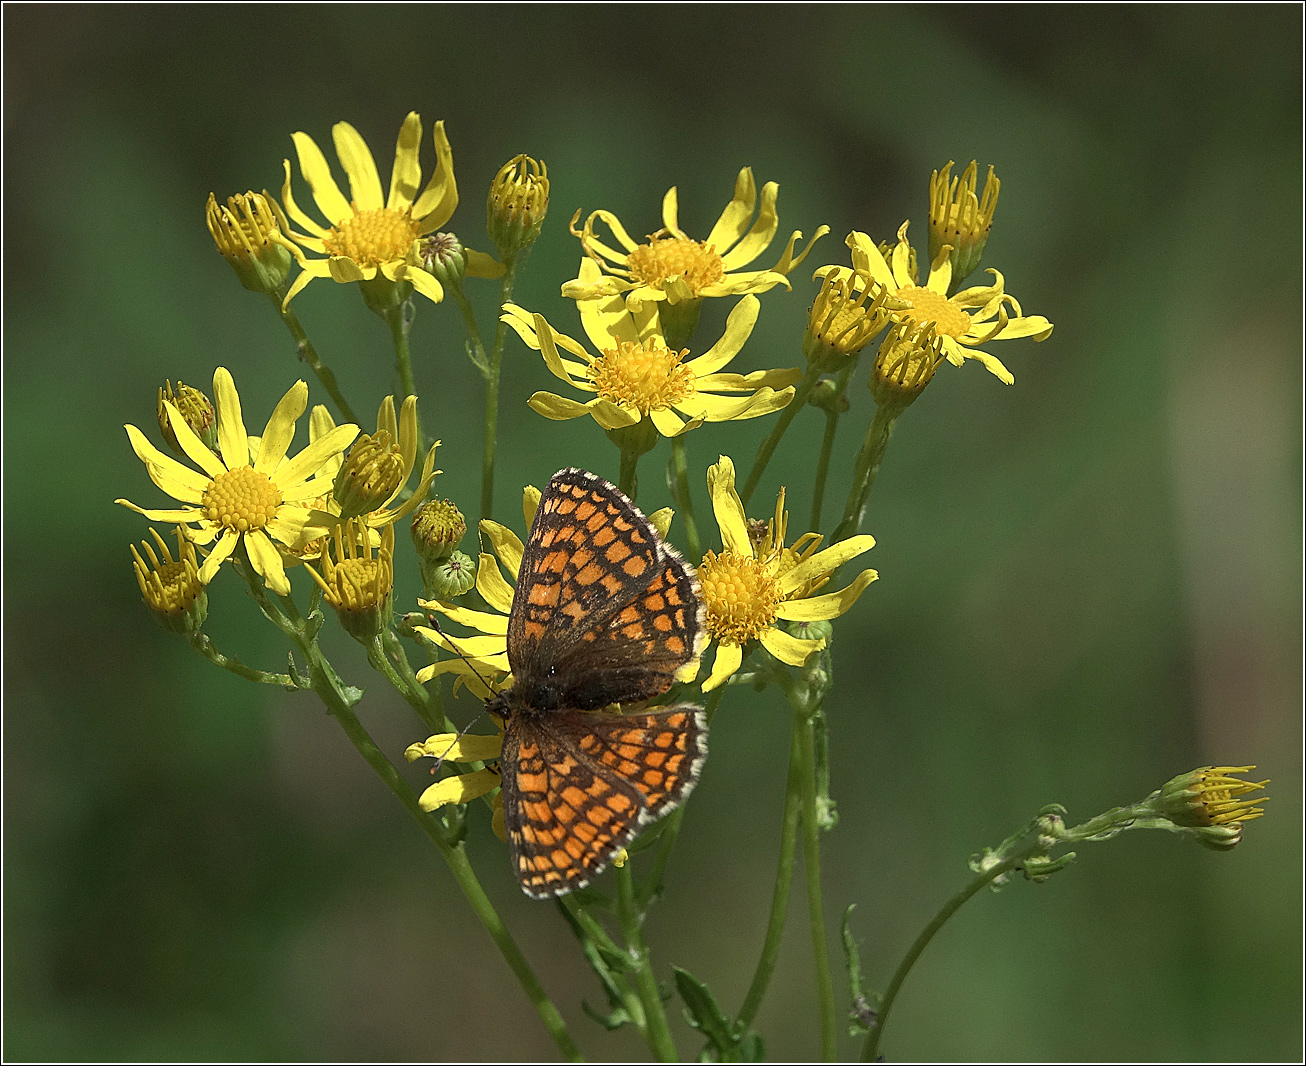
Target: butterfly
point(605, 611)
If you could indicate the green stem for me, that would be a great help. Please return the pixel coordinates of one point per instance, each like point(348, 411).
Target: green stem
point(492, 391)
point(433, 697)
point(773, 438)
point(783, 880)
point(473, 333)
point(333, 692)
point(812, 865)
point(667, 841)
point(827, 445)
point(680, 466)
point(376, 655)
point(870, 1048)
point(201, 643)
point(657, 1032)
point(864, 473)
point(628, 480)
point(399, 322)
point(309, 355)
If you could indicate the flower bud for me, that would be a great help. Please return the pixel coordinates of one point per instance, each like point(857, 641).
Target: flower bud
point(371, 472)
point(171, 587)
point(905, 363)
point(449, 578)
point(247, 231)
point(846, 314)
point(356, 581)
point(444, 257)
point(517, 204)
point(437, 529)
point(1211, 796)
point(196, 410)
point(960, 219)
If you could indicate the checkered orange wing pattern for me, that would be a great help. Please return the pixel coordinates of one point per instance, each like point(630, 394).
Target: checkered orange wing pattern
point(604, 607)
point(605, 612)
point(578, 786)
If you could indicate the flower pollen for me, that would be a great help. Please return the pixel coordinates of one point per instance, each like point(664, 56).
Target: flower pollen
point(647, 377)
point(741, 595)
point(929, 306)
point(371, 238)
point(241, 499)
point(664, 258)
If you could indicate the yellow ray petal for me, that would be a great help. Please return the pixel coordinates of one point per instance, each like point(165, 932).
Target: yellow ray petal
point(178, 481)
point(310, 460)
point(506, 544)
point(267, 562)
point(759, 238)
point(491, 585)
point(462, 788)
point(831, 605)
point(233, 441)
point(455, 747)
point(739, 327)
point(728, 659)
point(439, 199)
point(407, 173)
point(360, 167)
point(280, 429)
point(788, 649)
point(733, 222)
point(326, 193)
point(727, 507)
point(824, 561)
point(218, 555)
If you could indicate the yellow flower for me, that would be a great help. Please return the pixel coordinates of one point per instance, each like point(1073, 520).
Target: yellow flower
point(248, 233)
point(755, 581)
point(1211, 795)
point(368, 234)
point(960, 218)
point(636, 376)
point(973, 316)
point(673, 266)
point(487, 650)
point(171, 587)
point(356, 581)
point(258, 496)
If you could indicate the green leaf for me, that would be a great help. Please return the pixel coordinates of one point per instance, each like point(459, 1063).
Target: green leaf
point(727, 1041)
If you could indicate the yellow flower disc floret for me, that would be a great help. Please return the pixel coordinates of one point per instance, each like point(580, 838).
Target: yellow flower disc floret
point(741, 595)
point(241, 499)
point(929, 306)
point(668, 257)
point(647, 376)
point(371, 238)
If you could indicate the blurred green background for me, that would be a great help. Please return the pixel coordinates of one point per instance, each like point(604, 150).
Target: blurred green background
point(1090, 581)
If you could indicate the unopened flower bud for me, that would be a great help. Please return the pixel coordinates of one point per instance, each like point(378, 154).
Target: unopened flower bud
point(248, 233)
point(847, 313)
point(1211, 796)
point(905, 363)
point(517, 204)
point(450, 577)
point(356, 580)
point(196, 411)
point(371, 472)
point(959, 218)
point(443, 256)
point(171, 587)
point(437, 529)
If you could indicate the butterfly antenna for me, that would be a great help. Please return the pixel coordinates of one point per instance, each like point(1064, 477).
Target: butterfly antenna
point(435, 624)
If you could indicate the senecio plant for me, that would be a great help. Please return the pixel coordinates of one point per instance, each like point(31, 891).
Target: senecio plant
point(601, 651)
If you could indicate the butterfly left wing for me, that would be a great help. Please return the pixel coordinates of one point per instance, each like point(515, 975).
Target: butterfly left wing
point(578, 786)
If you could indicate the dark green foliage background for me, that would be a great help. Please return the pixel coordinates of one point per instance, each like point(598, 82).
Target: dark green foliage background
point(1090, 581)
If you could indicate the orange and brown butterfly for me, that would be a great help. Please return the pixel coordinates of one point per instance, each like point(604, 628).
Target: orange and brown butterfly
point(605, 612)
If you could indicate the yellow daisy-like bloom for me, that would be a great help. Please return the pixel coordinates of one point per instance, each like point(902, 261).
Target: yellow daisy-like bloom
point(1212, 795)
point(754, 582)
point(972, 316)
point(636, 376)
point(367, 234)
point(673, 266)
point(258, 495)
point(487, 650)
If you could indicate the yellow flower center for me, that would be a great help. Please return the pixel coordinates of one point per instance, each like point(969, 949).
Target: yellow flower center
point(929, 306)
point(647, 377)
point(371, 238)
point(172, 588)
point(360, 584)
point(741, 595)
point(241, 499)
point(664, 258)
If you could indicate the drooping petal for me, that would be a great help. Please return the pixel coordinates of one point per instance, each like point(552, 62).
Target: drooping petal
point(728, 507)
point(491, 585)
point(506, 544)
point(267, 562)
point(787, 262)
point(729, 657)
point(618, 231)
point(557, 366)
point(774, 379)
point(558, 408)
point(233, 441)
point(670, 424)
point(957, 353)
point(530, 503)
point(820, 564)
point(461, 788)
point(671, 212)
point(293, 209)
point(868, 260)
point(759, 238)
point(788, 649)
point(481, 265)
point(427, 284)
point(407, 173)
point(466, 673)
point(326, 193)
point(218, 555)
point(739, 327)
point(823, 608)
point(439, 199)
point(724, 409)
point(457, 747)
point(280, 429)
point(661, 520)
point(345, 271)
point(360, 167)
point(166, 514)
point(733, 222)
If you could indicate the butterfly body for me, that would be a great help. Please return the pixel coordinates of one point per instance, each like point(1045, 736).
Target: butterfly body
point(605, 612)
